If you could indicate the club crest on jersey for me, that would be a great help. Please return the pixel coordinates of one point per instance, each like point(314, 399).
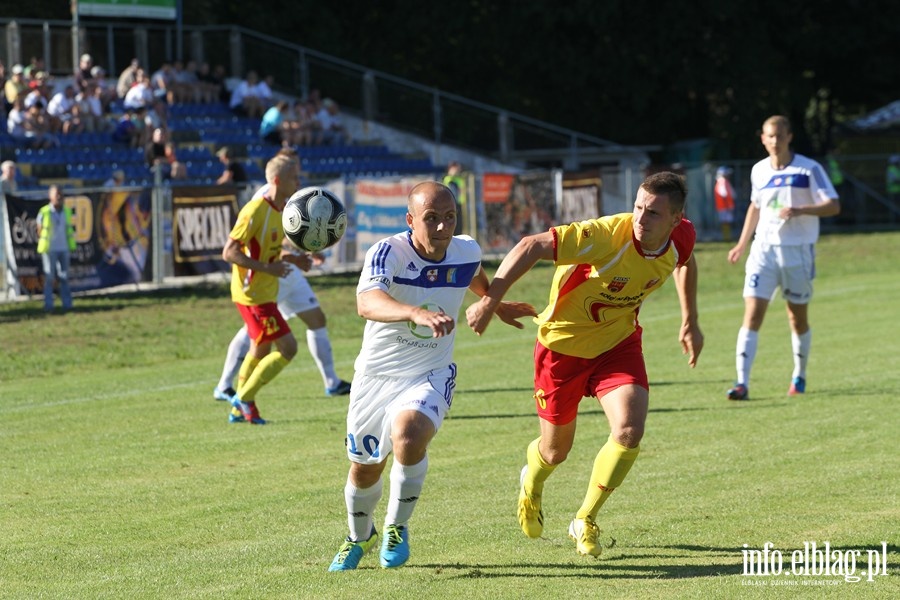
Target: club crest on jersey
point(617, 284)
point(431, 275)
point(651, 283)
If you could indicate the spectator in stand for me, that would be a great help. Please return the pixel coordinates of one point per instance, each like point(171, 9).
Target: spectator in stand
point(249, 98)
point(83, 74)
point(127, 78)
point(3, 106)
point(117, 179)
point(155, 150)
point(299, 125)
point(177, 169)
point(30, 127)
point(126, 132)
point(140, 95)
point(64, 107)
point(185, 82)
point(107, 89)
point(234, 171)
point(220, 78)
point(333, 131)
point(8, 183)
point(162, 83)
point(209, 84)
point(91, 108)
point(35, 66)
point(272, 128)
point(15, 86)
point(158, 115)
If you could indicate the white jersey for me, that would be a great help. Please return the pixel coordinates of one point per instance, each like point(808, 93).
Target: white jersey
point(405, 349)
point(802, 183)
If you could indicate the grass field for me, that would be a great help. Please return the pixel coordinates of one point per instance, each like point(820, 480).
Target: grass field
point(121, 477)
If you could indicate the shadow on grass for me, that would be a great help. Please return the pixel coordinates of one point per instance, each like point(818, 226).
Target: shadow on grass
point(718, 562)
point(93, 302)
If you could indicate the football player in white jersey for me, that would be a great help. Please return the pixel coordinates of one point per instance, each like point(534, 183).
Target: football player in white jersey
point(410, 292)
point(790, 193)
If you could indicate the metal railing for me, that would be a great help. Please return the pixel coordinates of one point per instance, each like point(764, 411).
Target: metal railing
point(442, 117)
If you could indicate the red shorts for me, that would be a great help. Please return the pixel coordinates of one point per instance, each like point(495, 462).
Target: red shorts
point(561, 381)
point(264, 322)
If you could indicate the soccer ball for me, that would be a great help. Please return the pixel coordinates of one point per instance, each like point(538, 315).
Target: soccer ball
point(314, 219)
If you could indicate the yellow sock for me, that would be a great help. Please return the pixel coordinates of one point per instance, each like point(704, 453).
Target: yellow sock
point(610, 468)
point(538, 471)
point(247, 368)
point(265, 371)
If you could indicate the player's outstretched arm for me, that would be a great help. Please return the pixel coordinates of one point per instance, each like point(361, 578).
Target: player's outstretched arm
point(690, 336)
point(509, 312)
point(519, 261)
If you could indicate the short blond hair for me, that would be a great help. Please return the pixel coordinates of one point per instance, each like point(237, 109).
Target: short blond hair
point(277, 166)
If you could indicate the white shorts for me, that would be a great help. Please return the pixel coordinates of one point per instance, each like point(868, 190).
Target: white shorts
point(375, 402)
point(295, 295)
point(790, 267)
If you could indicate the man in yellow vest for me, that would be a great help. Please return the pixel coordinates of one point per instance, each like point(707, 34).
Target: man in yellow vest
point(56, 242)
point(456, 181)
point(892, 178)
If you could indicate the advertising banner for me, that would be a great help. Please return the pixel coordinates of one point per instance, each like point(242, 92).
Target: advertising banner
point(581, 197)
point(112, 233)
point(380, 210)
point(516, 206)
point(202, 218)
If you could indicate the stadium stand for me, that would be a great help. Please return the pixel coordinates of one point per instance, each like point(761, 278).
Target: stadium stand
point(89, 159)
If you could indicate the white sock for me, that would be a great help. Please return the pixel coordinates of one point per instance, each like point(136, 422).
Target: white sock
point(320, 348)
point(237, 350)
point(801, 345)
point(361, 503)
point(406, 486)
point(747, 342)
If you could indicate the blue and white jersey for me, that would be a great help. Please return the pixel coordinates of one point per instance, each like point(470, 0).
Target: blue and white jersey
point(801, 183)
point(405, 349)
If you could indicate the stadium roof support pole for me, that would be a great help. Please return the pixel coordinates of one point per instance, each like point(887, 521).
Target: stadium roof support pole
point(197, 52)
point(303, 71)
point(573, 162)
point(141, 46)
point(13, 44)
point(437, 111)
point(503, 141)
point(235, 44)
point(76, 46)
point(48, 60)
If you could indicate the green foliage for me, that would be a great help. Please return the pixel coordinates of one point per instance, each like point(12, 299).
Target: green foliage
point(122, 478)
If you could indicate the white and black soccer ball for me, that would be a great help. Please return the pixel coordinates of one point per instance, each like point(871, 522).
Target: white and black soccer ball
point(314, 218)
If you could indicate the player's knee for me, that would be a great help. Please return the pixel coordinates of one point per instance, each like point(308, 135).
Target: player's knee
point(629, 435)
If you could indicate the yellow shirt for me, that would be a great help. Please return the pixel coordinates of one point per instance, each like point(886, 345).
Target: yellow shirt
point(260, 233)
point(601, 279)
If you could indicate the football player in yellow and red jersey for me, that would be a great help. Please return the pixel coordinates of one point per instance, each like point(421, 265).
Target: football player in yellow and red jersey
point(254, 249)
point(589, 339)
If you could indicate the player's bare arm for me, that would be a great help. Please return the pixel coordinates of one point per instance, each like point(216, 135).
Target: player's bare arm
point(378, 305)
point(830, 208)
point(233, 254)
point(526, 253)
point(690, 336)
point(508, 312)
point(750, 222)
